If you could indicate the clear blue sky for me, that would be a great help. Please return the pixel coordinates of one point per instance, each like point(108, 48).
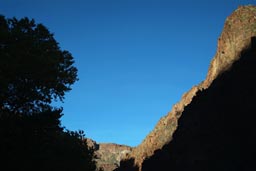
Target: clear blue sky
point(135, 58)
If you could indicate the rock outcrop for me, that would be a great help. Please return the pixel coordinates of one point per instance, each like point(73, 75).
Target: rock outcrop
point(239, 29)
point(108, 155)
point(192, 132)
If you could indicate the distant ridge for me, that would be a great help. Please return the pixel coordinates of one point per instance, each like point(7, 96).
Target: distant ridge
point(108, 155)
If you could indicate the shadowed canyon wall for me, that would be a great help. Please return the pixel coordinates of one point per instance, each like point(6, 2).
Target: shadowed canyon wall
point(216, 131)
point(213, 122)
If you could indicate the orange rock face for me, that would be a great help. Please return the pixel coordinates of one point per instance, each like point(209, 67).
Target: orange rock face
point(108, 155)
point(238, 30)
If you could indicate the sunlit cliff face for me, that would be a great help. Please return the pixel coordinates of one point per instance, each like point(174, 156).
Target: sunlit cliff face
point(239, 27)
point(238, 30)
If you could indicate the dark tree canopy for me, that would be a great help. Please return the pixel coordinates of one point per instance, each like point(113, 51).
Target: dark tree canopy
point(33, 69)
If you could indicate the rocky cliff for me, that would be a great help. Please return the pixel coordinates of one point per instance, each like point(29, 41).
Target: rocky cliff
point(238, 31)
point(226, 95)
point(108, 155)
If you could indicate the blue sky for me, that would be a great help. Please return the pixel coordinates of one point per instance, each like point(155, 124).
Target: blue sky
point(135, 58)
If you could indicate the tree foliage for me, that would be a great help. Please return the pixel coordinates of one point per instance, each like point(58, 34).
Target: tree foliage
point(34, 71)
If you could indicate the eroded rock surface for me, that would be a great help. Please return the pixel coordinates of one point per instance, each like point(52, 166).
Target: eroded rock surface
point(109, 155)
point(239, 28)
point(238, 31)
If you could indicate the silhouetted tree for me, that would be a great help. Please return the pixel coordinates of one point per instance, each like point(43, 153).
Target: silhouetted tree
point(34, 71)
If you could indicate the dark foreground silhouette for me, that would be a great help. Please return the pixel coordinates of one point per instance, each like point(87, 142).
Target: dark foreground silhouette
point(217, 131)
point(34, 72)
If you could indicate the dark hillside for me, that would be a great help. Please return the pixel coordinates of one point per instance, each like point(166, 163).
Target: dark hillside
point(217, 129)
